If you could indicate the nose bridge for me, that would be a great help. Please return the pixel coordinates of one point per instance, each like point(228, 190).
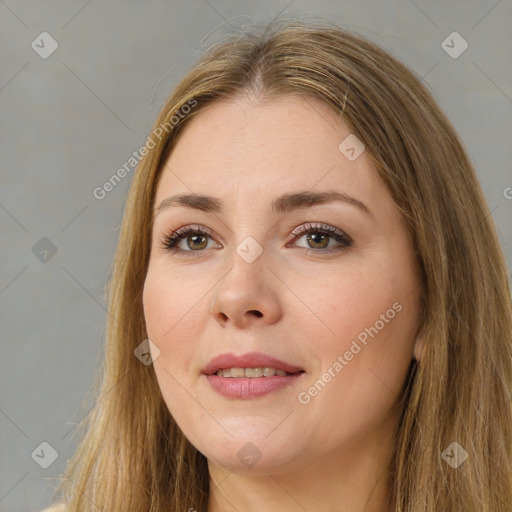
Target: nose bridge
point(247, 231)
point(246, 267)
point(245, 290)
point(250, 250)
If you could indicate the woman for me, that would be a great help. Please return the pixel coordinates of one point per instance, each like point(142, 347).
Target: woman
point(309, 308)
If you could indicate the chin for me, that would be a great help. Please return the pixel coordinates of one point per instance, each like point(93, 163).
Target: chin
point(240, 454)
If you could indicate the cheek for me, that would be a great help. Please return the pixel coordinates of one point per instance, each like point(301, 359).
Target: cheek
point(343, 304)
point(169, 315)
point(367, 313)
point(368, 320)
point(167, 301)
point(175, 312)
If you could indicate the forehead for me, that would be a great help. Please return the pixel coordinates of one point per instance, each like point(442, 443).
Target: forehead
point(246, 146)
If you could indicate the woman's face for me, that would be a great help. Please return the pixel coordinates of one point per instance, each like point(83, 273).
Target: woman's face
point(328, 289)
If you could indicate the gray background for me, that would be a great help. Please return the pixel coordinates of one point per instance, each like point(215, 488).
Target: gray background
point(69, 121)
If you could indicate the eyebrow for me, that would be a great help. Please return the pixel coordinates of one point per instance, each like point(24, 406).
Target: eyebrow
point(283, 204)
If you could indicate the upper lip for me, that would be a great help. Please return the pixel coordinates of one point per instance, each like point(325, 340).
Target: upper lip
point(248, 360)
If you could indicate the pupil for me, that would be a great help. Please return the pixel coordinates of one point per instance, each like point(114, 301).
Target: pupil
point(195, 238)
point(313, 238)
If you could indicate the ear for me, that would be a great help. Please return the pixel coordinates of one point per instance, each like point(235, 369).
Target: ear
point(419, 344)
point(418, 349)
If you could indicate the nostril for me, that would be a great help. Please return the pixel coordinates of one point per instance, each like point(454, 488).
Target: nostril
point(259, 314)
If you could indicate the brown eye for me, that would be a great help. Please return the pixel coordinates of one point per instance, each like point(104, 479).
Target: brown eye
point(196, 239)
point(319, 236)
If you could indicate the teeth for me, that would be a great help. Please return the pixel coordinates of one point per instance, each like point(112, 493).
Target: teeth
point(251, 372)
point(269, 372)
point(237, 372)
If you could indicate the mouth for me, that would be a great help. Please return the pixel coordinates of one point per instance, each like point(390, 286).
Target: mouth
point(249, 376)
point(253, 373)
point(250, 365)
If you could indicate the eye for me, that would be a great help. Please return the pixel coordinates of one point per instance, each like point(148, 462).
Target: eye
point(318, 237)
point(195, 239)
point(192, 240)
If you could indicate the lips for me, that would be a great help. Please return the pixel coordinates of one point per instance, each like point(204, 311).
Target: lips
point(248, 360)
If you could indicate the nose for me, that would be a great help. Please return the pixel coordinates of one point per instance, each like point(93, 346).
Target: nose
point(247, 294)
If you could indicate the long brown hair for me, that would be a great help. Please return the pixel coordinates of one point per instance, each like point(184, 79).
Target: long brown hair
point(134, 457)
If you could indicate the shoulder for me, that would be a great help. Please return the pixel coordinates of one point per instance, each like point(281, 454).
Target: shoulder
point(56, 508)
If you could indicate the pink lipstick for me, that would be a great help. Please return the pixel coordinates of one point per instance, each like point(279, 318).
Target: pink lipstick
point(249, 375)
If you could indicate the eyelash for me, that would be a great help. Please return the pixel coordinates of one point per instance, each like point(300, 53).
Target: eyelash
point(170, 241)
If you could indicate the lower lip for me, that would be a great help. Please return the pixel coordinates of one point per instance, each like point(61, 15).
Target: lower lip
point(242, 388)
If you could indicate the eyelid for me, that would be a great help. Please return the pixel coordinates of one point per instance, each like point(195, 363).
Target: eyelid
point(320, 226)
point(193, 227)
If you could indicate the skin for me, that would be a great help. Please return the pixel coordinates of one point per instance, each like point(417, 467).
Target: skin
point(331, 453)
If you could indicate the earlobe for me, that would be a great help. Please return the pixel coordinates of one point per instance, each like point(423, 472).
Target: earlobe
point(419, 343)
point(418, 347)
